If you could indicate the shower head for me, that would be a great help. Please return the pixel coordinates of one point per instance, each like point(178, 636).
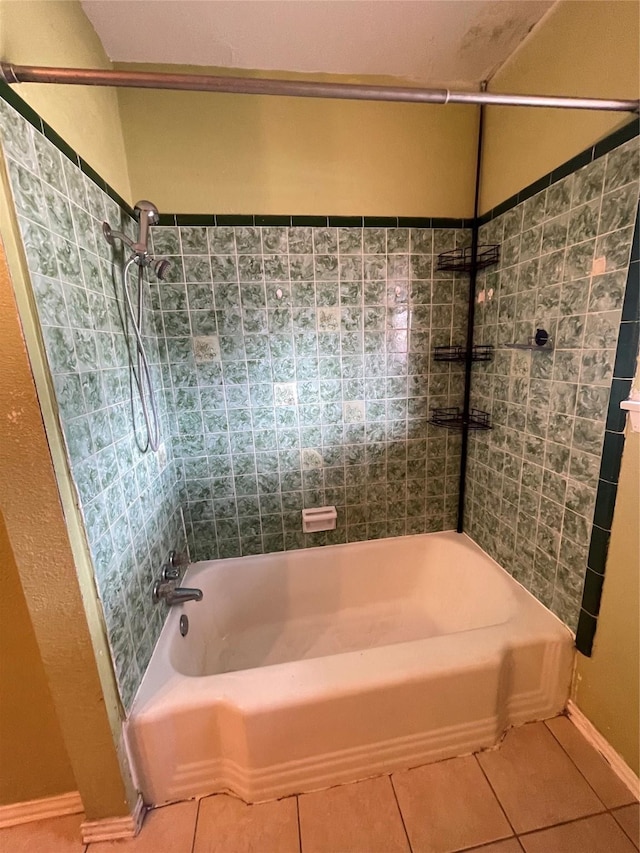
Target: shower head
point(160, 267)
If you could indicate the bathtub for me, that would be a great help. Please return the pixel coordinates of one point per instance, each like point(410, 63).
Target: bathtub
point(305, 669)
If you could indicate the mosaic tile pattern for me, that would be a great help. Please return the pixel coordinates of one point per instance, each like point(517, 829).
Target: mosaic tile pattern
point(299, 363)
point(532, 480)
point(129, 502)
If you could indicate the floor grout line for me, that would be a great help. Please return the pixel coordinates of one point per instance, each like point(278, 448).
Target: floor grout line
point(574, 763)
point(564, 823)
point(404, 826)
point(299, 827)
point(195, 824)
point(502, 808)
point(634, 841)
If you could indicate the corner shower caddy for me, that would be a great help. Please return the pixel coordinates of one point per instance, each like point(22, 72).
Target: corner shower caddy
point(479, 352)
point(452, 417)
point(462, 260)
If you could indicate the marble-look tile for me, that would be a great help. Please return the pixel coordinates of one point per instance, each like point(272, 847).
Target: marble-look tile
point(586, 228)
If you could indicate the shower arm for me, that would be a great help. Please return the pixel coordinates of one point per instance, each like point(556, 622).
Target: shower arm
point(10, 73)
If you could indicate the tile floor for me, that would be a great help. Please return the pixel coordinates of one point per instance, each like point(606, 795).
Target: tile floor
point(544, 790)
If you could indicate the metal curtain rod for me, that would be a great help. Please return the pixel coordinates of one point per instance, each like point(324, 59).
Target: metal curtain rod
point(295, 88)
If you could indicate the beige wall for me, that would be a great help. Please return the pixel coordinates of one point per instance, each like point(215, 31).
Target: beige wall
point(607, 685)
point(57, 32)
point(581, 48)
point(31, 743)
point(195, 152)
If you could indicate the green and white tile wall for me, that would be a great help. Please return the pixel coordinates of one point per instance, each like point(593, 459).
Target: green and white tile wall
point(293, 364)
point(533, 479)
point(129, 502)
point(299, 365)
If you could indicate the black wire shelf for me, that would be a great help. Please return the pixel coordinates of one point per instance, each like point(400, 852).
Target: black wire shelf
point(452, 417)
point(480, 352)
point(460, 260)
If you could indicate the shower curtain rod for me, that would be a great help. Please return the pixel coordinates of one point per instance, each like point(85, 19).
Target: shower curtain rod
point(296, 88)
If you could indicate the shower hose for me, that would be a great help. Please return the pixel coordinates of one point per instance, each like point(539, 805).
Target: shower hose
point(140, 373)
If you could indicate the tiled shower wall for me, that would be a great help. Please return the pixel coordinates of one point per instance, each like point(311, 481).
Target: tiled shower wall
point(532, 480)
point(294, 368)
point(300, 368)
point(129, 502)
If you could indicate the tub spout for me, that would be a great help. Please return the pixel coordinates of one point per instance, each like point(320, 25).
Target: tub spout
point(181, 594)
point(171, 594)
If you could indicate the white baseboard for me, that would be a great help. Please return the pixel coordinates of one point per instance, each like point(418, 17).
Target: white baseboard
point(30, 810)
point(111, 828)
point(599, 742)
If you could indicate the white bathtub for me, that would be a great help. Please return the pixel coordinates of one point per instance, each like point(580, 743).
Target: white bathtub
point(304, 669)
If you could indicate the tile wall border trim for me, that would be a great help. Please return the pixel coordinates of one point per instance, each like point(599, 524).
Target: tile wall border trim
point(224, 219)
point(611, 456)
point(613, 140)
point(604, 146)
point(30, 115)
point(259, 220)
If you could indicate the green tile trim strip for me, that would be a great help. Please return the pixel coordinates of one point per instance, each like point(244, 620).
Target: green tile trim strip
point(623, 134)
point(232, 219)
point(623, 373)
point(246, 219)
point(21, 107)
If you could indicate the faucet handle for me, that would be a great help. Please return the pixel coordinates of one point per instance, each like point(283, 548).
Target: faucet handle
point(178, 560)
point(170, 573)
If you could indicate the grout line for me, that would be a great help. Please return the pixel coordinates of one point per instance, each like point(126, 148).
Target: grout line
point(558, 741)
point(475, 755)
point(404, 826)
point(528, 832)
point(612, 812)
point(195, 825)
point(299, 827)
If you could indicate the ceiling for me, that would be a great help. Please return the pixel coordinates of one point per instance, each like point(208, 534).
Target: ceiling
point(428, 41)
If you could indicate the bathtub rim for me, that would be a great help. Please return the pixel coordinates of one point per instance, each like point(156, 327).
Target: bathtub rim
point(161, 682)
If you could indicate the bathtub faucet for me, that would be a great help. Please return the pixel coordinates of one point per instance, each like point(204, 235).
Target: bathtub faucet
point(166, 589)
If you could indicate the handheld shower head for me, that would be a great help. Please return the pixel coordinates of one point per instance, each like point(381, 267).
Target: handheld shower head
point(160, 267)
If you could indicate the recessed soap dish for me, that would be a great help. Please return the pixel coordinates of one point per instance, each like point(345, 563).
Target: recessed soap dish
point(319, 518)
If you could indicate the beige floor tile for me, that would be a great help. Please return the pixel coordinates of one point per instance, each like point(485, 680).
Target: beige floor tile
point(591, 764)
point(169, 828)
point(358, 818)
point(509, 845)
point(58, 835)
point(597, 834)
point(227, 825)
point(449, 805)
point(629, 819)
point(536, 782)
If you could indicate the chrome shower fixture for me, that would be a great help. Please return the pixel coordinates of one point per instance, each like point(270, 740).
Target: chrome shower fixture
point(147, 214)
point(132, 317)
